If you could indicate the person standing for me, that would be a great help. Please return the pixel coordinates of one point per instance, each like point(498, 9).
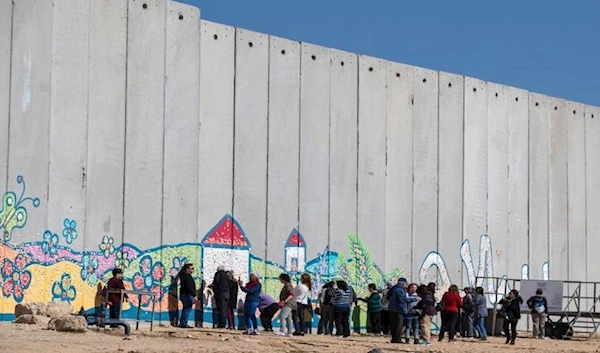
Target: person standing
point(199, 307)
point(385, 316)
point(411, 317)
point(187, 293)
point(539, 312)
point(427, 307)
point(302, 296)
point(232, 302)
point(252, 290)
point(326, 321)
point(220, 289)
point(267, 307)
point(116, 283)
point(397, 307)
point(287, 305)
point(468, 314)
point(341, 309)
point(374, 309)
point(511, 311)
point(481, 313)
point(452, 304)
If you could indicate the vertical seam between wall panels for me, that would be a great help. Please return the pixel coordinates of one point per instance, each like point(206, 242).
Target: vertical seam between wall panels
point(49, 146)
point(528, 189)
point(567, 188)
point(200, 273)
point(385, 78)
point(357, 141)
point(585, 192)
point(299, 139)
point(87, 131)
point(125, 125)
point(10, 51)
point(437, 184)
point(232, 210)
point(267, 164)
point(549, 154)
point(412, 186)
point(329, 67)
point(463, 216)
point(164, 124)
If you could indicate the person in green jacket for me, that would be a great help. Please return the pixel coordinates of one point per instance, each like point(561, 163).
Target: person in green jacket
point(374, 309)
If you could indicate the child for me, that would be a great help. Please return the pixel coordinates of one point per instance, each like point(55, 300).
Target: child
point(374, 309)
point(116, 283)
point(539, 310)
point(413, 314)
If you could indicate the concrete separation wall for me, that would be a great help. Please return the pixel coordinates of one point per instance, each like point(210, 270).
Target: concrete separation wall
point(134, 134)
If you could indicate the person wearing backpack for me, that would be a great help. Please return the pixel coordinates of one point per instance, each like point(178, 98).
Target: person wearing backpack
point(468, 314)
point(539, 312)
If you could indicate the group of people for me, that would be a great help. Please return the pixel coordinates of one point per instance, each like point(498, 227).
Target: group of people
point(400, 307)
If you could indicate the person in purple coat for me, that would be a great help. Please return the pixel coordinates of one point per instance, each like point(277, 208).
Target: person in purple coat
point(267, 307)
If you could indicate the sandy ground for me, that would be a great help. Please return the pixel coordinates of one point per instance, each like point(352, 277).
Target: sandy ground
point(33, 339)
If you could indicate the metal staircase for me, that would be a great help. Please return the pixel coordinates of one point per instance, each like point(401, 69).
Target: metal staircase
point(581, 322)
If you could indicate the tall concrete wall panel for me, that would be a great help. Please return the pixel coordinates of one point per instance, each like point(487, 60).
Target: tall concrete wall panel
point(425, 164)
point(518, 181)
point(216, 124)
point(144, 127)
point(68, 120)
point(251, 136)
point(106, 123)
point(181, 122)
point(450, 173)
point(284, 147)
point(147, 138)
point(577, 197)
point(6, 9)
point(399, 167)
point(372, 74)
point(558, 190)
point(314, 147)
point(497, 168)
point(343, 142)
point(475, 163)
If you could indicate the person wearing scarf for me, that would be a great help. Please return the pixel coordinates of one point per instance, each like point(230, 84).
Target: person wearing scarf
point(252, 290)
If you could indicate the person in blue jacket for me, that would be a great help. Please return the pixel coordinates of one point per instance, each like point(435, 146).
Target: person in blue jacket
point(252, 290)
point(397, 307)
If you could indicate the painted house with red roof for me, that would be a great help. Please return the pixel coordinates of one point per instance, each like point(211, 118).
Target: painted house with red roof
point(226, 244)
point(295, 253)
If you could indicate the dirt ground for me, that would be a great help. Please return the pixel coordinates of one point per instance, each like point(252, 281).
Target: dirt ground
point(34, 339)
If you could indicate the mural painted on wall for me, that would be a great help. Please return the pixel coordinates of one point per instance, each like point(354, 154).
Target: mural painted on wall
point(49, 269)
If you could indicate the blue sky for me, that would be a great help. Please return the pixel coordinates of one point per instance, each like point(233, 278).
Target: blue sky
point(546, 46)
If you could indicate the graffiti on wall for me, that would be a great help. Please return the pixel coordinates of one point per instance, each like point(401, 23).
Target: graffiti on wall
point(49, 269)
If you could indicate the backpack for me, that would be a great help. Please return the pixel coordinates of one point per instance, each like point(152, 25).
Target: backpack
point(469, 307)
point(539, 307)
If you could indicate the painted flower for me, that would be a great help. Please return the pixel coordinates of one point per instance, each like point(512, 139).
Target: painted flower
point(70, 230)
point(122, 260)
point(107, 246)
point(16, 279)
point(63, 289)
point(149, 278)
point(50, 244)
point(178, 263)
point(89, 265)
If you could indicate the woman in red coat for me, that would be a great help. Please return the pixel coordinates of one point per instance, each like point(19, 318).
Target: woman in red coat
point(452, 304)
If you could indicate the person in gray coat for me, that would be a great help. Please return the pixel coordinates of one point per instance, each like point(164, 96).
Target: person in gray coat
point(481, 312)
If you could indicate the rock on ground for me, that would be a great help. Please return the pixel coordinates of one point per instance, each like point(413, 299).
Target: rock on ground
point(69, 323)
point(52, 309)
point(32, 319)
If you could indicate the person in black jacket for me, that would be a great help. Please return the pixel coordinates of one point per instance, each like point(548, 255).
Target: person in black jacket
point(187, 293)
point(326, 321)
point(220, 288)
point(199, 307)
point(511, 311)
point(427, 307)
point(233, 300)
point(539, 311)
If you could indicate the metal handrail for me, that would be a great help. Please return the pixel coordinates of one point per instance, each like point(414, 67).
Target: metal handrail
point(139, 294)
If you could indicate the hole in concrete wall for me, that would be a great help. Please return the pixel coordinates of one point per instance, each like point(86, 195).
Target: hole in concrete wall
point(145, 6)
point(574, 111)
point(474, 89)
point(313, 57)
point(283, 52)
point(450, 84)
point(216, 37)
point(496, 94)
point(342, 63)
point(371, 69)
point(555, 108)
point(516, 99)
point(424, 80)
point(180, 17)
point(398, 74)
point(537, 104)
point(250, 44)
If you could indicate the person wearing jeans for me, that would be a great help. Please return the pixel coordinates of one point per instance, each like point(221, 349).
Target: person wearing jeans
point(187, 293)
point(481, 313)
point(252, 290)
point(452, 304)
point(412, 315)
